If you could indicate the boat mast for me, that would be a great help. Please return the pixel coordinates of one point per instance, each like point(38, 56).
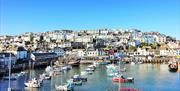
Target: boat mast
point(119, 64)
point(9, 86)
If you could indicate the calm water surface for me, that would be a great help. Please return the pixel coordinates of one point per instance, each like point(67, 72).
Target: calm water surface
point(148, 77)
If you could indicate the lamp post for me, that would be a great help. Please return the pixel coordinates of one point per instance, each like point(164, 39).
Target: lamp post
point(9, 86)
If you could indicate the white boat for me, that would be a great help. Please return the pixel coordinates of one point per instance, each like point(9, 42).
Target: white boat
point(132, 63)
point(89, 72)
point(83, 73)
point(112, 74)
point(45, 76)
point(67, 67)
point(61, 87)
point(48, 69)
point(34, 83)
point(22, 73)
point(92, 66)
point(89, 69)
point(111, 66)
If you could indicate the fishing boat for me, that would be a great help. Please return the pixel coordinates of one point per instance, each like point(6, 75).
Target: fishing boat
point(61, 88)
point(57, 69)
point(34, 83)
point(64, 88)
point(112, 74)
point(68, 67)
point(89, 72)
point(123, 79)
point(22, 73)
point(79, 83)
point(128, 89)
point(92, 66)
point(45, 76)
point(75, 82)
point(83, 73)
point(78, 78)
point(112, 70)
point(89, 69)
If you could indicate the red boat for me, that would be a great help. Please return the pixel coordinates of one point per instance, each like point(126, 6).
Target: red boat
point(128, 89)
point(119, 79)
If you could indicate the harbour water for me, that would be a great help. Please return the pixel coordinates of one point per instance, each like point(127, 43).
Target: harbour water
point(147, 77)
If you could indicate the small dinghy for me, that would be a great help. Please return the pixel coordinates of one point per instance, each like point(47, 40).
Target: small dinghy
point(34, 83)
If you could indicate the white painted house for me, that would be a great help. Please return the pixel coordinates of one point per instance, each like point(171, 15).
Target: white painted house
point(92, 53)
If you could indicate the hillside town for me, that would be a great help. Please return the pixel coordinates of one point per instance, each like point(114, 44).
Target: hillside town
point(60, 50)
point(87, 44)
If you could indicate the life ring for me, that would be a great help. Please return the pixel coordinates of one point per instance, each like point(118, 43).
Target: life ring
point(172, 66)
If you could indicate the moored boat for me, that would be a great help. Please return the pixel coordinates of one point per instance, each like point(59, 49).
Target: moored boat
point(75, 82)
point(123, 79)
point(128, 89)
point(89, 72)
point(89, 69)
point(64, 88)
point(78, 78)
point(34, 83)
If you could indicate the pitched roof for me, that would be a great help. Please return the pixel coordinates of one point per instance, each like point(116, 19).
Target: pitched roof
point(42, 54)
point(6, 55)
point(21, 49)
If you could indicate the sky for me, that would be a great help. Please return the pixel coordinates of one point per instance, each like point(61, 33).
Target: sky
point(19, 16)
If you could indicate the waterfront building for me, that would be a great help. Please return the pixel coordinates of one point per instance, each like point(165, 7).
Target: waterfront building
point(79, 52)
point(91, 52)
point(77, 45)
point(5, 58)
point(141, 51)
point(20, 52)
point(163, 50)
point(43, 56)
point(59, 51)
point(177, 50)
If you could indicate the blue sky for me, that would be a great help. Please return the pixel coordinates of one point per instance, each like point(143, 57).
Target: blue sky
point(19, 16)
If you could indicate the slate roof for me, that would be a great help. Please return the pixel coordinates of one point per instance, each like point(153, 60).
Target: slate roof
point(21, 49)
point(6, 55)
point(42, 54)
